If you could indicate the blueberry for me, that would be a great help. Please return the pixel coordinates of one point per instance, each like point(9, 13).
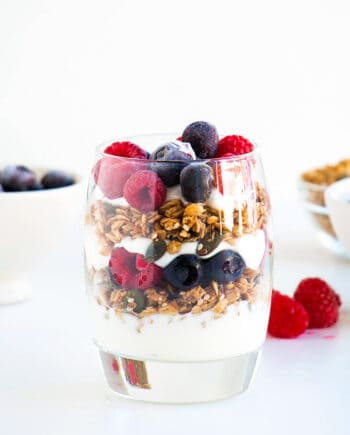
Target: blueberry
point(184, 272)
point(54, 179)
point(226, 266)
point(1, 188)
point(162, 152)
point(173, 155)
point(37, 186)
point(17, 178)
point(203, 137)
point(196, 182)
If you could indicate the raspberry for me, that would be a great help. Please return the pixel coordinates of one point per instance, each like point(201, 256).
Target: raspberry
point(145, 191)
point(126, 149)
point(131, 271)
point(110, 173)
point(233, 145)
point(123, 268)
point(115, 365)
point(288, 318)
point(148, 276)
point(319, 300)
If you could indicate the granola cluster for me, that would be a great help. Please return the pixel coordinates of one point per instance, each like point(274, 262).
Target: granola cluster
point(215, 297)
point(328, 174)
point(174, 222)
point(320, 178)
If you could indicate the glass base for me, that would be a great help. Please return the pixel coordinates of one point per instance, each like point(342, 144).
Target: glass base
point(179, 382)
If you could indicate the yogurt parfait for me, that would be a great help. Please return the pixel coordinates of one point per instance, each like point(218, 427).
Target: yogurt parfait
point(178, 247)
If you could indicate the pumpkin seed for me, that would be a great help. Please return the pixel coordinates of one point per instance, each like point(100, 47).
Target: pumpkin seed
point(134, 301)
point(208, 243)
point(155, 250)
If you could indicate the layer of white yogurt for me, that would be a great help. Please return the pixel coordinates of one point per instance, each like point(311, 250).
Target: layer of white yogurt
point(250, 246)
point(190, 337)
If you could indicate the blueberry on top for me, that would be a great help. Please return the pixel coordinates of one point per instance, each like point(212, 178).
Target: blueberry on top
point(174, 156)
point(174, 150)
point(203, 137)
point(196, 181)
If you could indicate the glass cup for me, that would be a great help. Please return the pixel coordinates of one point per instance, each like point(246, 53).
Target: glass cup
point(178, 265)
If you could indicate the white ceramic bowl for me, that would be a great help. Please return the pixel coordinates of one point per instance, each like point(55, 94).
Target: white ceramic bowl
point(337, 198)
point(31, 225)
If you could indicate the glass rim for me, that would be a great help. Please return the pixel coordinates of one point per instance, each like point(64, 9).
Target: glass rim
point(234, 158)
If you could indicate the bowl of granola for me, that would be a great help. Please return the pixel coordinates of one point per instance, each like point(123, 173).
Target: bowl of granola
point(312, 185)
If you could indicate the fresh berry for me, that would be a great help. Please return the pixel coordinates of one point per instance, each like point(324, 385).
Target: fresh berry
point(111, 174)
point(126, 149)
point(134, 300)
point(54, 179)
point(130, 270)
point(172, 155)
point(203, 137)
point(169, 172)
point(175, 150)
point(319, 300)
point(184, 272)
point(37, 186)
point(1, 188)
point(17, 178)
point(226, 266)
point(233, 145)
point(123, 268)
point(288, 318)
point(115, 365)
point(145, 191)
point(196, 182)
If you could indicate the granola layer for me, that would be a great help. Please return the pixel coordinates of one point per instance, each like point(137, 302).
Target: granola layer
point(174, 222)
point(166, 300)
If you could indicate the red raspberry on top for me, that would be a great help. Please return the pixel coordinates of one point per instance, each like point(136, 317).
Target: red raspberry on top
point(110, 174)
point(131, 271)
point(126, 149)
point(233, 145)
point(319, 300)
point(288, 318)
point(145, 191)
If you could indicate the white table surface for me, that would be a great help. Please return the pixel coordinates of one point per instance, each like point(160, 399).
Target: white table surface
point(50, 382)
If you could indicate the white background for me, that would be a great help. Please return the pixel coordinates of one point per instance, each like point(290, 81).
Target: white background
point(76, 72)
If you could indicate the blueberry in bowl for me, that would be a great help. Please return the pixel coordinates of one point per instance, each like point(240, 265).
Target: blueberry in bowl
point(33, 221)
point(19, 178)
